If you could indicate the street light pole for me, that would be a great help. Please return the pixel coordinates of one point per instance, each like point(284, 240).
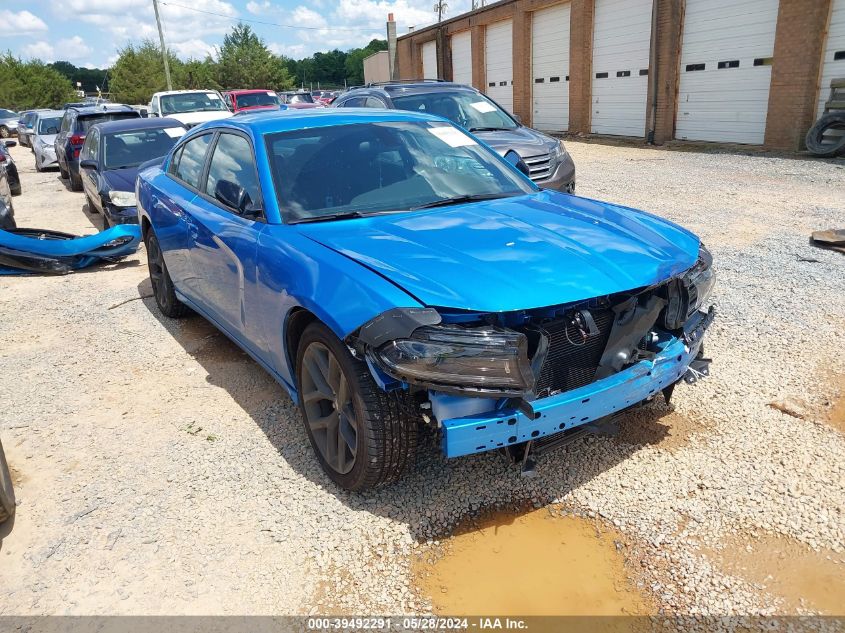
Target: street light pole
point(163, 47)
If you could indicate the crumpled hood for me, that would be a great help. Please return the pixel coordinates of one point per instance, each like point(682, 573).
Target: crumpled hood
point(194, 118)
point(536, 250)
point(524, 141)
point(121, 179)
point(47, 139)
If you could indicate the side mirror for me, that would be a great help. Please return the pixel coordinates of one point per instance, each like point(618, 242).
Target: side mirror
point(150, 113)
point(235, 197)
point(517, 118)
point(11, 143)
point(88, 164)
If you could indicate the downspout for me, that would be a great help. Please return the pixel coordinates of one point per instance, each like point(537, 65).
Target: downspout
point(653, 60)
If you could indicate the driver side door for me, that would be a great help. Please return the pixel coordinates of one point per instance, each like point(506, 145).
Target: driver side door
point(223, 235)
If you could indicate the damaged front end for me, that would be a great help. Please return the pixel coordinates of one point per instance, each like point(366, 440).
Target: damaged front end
point(493, 381)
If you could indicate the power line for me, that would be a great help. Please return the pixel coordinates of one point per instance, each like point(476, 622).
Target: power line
point(283, 26)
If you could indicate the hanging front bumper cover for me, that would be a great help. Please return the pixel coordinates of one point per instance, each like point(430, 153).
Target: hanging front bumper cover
point(34, 251)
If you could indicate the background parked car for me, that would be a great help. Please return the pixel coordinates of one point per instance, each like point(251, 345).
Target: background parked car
point(25, 127)
point(75, 125)
point(191, 107)
point(11, 168)
point(324, 96)
point(298, 100)
point(8, 123)
point(542, 158)
point(47, 125)
point(7, 210)
point(110, 158)
point(249, 100)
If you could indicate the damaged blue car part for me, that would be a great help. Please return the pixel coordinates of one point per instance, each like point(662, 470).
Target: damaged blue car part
point(38, 251)
point(390, 270)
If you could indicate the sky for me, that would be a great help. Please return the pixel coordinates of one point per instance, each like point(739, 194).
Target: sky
point(90, 32)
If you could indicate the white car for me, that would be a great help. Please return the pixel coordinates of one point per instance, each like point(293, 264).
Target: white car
point(46, 127)
point(190, 107)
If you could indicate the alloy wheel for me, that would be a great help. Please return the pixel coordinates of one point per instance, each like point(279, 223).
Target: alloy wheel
point(329, 411)
point(156, 265)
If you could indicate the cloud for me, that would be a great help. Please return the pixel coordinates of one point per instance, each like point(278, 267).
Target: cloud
point(20, 23)
point(303, 16)
point(195, 48)
point(39, 50)
point(259, 8)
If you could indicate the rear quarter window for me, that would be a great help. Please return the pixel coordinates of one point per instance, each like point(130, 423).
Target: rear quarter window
point(84, 123)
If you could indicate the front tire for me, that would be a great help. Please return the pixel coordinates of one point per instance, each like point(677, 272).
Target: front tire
point(163, 290)
point(4, 132)
point(362, 436)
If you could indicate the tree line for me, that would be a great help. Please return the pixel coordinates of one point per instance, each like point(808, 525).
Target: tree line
point(242, 61)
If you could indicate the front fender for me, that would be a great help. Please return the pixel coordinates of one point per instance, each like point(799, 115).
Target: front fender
point(296, 272)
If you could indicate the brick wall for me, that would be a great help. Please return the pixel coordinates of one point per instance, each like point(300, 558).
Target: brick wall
point(799, 45)
point(581, 65)
point(799, 42)
point(670, 18)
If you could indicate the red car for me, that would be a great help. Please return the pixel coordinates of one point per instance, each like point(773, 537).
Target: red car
point(250, 100)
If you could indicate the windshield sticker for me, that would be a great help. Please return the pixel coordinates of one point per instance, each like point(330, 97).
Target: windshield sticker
point(211, 95)
point(174, 132)
point(453, 137)
point(483, 106)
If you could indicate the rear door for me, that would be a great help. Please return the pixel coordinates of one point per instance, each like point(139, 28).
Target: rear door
point(223, 239)
point(90, 177)
point(171, 206)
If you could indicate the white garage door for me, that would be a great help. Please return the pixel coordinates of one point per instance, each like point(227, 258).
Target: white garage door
point(498, 55)
point(462, 58)
point(550, 68)
point(726, 70)
point(833, 63)
point(429, 59)
point(621, 40)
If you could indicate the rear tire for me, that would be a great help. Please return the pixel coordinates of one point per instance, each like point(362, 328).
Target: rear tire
point(362, 436)
point(7, 492)
point(75, 182)
point(815, 137)
point(163, 290)
point(63, 172)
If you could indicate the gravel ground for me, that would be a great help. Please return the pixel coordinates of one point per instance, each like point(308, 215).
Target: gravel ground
point(160, 471)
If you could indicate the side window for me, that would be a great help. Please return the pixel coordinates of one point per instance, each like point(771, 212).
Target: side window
point(188, 169)
point(353, 102)
point(374, 102)
point(66, 122)
point(233, 161)
point(88, 148)
point(174, 162)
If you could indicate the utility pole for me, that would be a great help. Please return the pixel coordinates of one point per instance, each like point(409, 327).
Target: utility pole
point(440, 8)
point(163, 47)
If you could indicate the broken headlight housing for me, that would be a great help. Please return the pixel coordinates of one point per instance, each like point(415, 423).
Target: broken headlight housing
point(484, 358)
point(688, 293)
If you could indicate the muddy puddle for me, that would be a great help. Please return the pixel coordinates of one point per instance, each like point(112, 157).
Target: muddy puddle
point(801, 577)
point(531, 564)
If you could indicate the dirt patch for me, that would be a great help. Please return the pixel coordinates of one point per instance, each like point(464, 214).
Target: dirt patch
point(836, 417)
point(531, 564)
point(803, 578)
point(670, 431)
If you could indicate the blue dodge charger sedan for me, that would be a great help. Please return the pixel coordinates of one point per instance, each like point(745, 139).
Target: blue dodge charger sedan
point(390, 270)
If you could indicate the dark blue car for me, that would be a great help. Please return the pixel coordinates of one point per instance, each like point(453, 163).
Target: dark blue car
point(110, 158)
point(390, 270)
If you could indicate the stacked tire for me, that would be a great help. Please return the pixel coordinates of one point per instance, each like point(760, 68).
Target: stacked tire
point(826, 138)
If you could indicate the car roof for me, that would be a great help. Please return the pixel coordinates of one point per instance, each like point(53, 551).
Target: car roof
point(43, 113)
point(271, 121)
point(415, 87)
point(125, 125)
point(166, 93)
point(248, 91)
point(104, 108)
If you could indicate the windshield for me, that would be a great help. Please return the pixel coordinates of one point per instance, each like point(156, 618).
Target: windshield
point(50, 125)
point(382, 167)
point(300, 98)
point(191, 102)
point(131, 148)
point(84, 123)
point(470, 110)
point(257, 99)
